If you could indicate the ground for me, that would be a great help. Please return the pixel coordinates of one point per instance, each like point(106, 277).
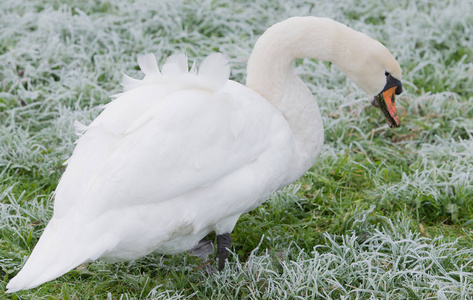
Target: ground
point(384, 213)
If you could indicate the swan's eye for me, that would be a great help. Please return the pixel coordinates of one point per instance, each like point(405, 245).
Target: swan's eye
point(387, 74)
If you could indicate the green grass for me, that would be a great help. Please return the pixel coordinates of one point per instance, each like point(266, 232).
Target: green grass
point(383, 214)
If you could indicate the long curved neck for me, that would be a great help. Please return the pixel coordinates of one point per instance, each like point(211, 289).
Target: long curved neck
point(270, 73)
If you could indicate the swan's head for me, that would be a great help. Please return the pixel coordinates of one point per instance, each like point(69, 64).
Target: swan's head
point(369, 64)
point(375, 70)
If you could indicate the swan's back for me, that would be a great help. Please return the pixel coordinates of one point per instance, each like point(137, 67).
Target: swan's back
point(174, 157)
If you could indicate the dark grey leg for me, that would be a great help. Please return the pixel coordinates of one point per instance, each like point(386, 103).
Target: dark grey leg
point(223, 245)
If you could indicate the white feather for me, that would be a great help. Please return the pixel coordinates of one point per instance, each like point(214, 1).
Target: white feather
point(148, 64)
point(80, 128)
point(128, 83)
point(175, 64)
point(215, 69)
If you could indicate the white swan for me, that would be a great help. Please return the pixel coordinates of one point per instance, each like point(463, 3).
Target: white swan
point(181, 154)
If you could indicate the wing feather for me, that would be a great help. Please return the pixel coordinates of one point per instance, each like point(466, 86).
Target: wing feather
point(184, 140)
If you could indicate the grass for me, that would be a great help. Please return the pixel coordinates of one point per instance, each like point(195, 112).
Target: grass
point(384, 213)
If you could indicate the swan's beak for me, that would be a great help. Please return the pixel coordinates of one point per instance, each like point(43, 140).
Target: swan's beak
point(385, 101)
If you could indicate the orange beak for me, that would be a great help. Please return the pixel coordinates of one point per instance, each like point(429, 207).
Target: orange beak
point(386, 103)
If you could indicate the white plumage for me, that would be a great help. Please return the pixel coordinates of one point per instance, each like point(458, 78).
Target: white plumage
point(180, 154)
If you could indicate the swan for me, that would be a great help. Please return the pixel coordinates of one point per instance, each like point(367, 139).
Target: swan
point(180, 154)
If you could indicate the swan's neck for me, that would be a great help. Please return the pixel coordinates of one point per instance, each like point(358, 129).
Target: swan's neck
point(270, 73)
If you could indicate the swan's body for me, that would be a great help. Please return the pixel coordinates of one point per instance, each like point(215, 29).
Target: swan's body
point(179, 155)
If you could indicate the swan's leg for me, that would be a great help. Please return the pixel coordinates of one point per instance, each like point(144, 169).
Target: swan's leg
point(223, 245)
point(224, 240)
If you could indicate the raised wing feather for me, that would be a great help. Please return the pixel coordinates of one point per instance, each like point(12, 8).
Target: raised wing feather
point(176, 64)
point(215, 68)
